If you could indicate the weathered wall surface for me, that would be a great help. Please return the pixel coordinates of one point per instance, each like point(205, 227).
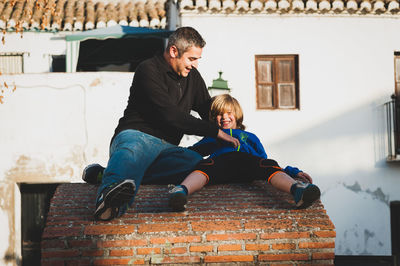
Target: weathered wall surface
point(52, 126)
point(346, 73)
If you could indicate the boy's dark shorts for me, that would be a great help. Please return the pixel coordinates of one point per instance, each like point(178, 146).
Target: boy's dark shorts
point(237, 167)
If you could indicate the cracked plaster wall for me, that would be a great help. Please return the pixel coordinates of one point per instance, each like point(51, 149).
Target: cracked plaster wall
point(52, 126)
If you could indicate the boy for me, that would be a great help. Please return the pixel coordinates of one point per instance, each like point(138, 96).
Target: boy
point(247, 162)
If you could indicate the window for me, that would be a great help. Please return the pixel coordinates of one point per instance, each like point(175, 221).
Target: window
point(277, 82)
point(11, 63)
point(58, 63)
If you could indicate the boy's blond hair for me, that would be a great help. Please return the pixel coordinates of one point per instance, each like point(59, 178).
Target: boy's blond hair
point(223, 103)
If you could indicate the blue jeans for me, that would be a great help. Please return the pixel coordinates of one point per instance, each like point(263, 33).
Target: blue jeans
point(146, 159)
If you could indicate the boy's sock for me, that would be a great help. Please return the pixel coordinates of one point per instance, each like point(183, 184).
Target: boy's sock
point(184, 188)
point(293, 188)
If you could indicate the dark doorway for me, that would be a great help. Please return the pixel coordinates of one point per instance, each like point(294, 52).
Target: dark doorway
point(117, 54)
point(35, 202)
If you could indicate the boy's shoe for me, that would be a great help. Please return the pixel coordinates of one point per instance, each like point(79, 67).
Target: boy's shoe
point(306, 194)
point(177, 198)
point(93, 174)
point(110, 200)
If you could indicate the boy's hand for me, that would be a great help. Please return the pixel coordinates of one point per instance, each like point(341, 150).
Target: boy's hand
point(225, 137)
point(306, 177)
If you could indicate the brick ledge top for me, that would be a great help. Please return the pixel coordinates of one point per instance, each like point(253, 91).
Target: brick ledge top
point(244, 220)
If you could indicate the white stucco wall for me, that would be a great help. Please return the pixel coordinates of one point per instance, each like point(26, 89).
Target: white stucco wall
point(346, 69)
point(51, 127)
point(54, 124)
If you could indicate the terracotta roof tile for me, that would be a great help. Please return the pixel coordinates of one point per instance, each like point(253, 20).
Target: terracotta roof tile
point(77, 15)
point(330, 7)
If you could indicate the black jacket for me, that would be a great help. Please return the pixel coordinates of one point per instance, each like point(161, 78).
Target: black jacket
point(160, 102)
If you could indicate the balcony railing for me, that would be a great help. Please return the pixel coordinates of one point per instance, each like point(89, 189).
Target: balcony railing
point(392, 110)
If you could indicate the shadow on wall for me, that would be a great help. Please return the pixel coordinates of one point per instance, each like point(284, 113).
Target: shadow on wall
point(352, 141)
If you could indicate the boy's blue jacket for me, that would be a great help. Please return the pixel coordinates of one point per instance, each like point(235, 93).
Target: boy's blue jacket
point(249, 143)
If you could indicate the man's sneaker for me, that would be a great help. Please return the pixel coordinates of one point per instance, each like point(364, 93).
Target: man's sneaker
point(93, 174)
point(177, 198)
point(306, 194)
point(112, 198)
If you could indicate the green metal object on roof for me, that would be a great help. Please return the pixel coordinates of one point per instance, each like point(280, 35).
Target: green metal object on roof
point(118, 31)
point(219, 83)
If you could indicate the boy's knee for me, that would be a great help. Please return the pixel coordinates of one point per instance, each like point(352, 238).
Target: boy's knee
point(269, 163)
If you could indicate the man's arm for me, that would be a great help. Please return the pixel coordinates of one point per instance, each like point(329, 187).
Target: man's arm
point(225, 137)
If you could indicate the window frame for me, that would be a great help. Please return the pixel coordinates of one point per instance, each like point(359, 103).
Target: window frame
point(21, 63)
point(275, 83)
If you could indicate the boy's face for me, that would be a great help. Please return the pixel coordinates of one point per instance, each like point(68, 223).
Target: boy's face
point(226, 120)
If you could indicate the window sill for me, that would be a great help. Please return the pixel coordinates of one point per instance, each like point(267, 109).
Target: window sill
point(393, 158)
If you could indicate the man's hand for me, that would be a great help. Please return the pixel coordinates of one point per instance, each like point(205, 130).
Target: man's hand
point(306, 177)
point(225, 137)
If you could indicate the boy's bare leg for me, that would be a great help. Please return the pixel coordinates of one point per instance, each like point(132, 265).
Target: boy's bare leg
point(282, 181)
point(194, 182)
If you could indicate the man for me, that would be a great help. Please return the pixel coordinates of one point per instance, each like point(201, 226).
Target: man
point(143, 149)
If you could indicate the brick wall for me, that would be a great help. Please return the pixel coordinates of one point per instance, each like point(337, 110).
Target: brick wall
point(233, 224)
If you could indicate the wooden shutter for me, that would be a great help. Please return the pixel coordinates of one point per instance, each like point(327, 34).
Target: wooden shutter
point(265, 85)
point(397, 74)
point(11, 63)
point(286, 83)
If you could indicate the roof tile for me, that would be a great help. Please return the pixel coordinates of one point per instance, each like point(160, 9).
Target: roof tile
point(328, 7)
point(77, 15)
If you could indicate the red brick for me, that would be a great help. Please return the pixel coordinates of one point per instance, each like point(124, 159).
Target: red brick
point(146, 251)
point(323, 256)
point(221, 237)
point(284, 246)
point(92, 253)
point(282, 257)
point(53, 263)
point(257, 246)
point(81, 262)
point(121, 252)
point(52, 244)
point(181, 259)
point(325, 233)
point(201, 248)
point(146, 228)
point(55, 232)
point(139, 261)
point(177, 250)
point(229, 258)
point(121, 243)
point(109, 229)
point(80, 243)
point(178, 239)
point(289, 235)
point(269, 224)
point(316, 244)
point(112, 262)
point(315, 223)
point(216, 226)
point(60, 254)
point(229, 247)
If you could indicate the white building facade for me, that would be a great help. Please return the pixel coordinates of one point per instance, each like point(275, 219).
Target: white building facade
point(345, 76)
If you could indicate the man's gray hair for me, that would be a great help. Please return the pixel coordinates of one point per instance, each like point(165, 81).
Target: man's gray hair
point(184, 38)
